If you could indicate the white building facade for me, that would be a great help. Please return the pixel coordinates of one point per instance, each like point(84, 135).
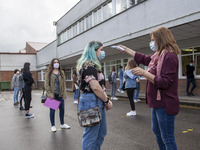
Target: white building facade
point(126, 22)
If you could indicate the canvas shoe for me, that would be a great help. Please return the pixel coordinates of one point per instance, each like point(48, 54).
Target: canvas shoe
point(29, 115)
point(135, 100)
point(118, 90)
point(122, 91)
point(64, 126)
point(131, 113)
point(138, 100)
point(115, 98)
point(53, 129)
point(75, 102)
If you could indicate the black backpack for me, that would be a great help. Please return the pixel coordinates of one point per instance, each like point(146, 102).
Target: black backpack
point(110, 79)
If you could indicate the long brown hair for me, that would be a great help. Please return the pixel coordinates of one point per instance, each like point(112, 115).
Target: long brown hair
point(165, 40)
point(131, 64)
point(50, 68)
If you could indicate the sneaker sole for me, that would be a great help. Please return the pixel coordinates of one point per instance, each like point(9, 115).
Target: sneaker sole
point(29, 116)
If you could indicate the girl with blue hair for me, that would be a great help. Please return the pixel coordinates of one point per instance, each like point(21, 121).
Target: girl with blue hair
point(89, 69)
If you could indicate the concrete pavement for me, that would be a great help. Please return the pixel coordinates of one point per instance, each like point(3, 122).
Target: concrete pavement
point(124, 133)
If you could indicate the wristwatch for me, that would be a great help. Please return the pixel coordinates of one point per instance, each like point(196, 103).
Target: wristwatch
point(107, 100)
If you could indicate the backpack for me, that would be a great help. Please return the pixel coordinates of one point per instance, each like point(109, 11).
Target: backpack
point(110, 79)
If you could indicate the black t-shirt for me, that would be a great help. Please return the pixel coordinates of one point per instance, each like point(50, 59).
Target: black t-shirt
point(89, 72)
point(189, 71)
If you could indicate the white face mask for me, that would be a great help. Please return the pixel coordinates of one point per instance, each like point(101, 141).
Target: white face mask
point(17, 72)
point(153, 46)
point(56, 65)
point(30, 67)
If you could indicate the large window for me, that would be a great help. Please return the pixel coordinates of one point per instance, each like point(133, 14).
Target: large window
point(68, 74)
point(81, 26)
point(107, 11)
point(190, 54)
point(120, 5)
point(41, 75)
point(97, 17)
point(88, 22)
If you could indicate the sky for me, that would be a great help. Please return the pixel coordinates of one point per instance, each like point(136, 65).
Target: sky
point(24, 21)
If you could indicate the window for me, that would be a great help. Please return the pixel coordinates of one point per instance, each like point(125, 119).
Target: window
point(97, 17)
point(107, 11)
point(68, 74)
point(75, 29)
point(41, 75)
point(81, 26)
point(190, 54)
point(88, 22)
point(120, 5)
point(116, 64)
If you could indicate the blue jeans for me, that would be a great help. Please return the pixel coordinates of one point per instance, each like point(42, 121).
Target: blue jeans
point(121, 84)
point(138, 90)
point(76, 93)
point(16, 93)
point(93, 137)
point(61, 113)
point(163, 128)
point(113, 90)
point(192, 80)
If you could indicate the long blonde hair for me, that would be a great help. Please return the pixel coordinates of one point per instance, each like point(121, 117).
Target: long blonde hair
point(131, 64)
point(165, 40)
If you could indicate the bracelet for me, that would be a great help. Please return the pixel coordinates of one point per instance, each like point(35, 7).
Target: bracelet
point(107, 100)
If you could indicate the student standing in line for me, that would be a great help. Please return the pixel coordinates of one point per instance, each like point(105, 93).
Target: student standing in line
point(162, 84)
point(130, 85)
point(88, 65)
point(55, 85)
point(28, 80)
point(21, 89)
point(15, 86)
point(114, 83)
point(75, 86)
point(190, 78)
point(120, 74)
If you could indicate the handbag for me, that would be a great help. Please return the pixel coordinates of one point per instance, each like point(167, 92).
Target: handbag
point(43, 97)
point(88, 117)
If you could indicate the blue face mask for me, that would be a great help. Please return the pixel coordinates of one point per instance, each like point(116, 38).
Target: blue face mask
point(153, 46)
point(191, 64)
point(102, 56)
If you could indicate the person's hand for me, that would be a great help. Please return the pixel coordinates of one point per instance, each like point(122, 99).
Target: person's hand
point(138, 71)
point(109, 105)
point(51, 97)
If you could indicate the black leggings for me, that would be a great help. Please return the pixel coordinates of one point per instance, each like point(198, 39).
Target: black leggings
point(130, 92)
point(28, 98)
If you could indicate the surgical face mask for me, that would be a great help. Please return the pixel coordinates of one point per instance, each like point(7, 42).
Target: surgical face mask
point(30, 67)
point(102, 55)
point(17, 72)
point(56, 65)
point(153, 46)
point(191, 64)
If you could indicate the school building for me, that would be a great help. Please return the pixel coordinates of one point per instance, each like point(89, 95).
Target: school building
point(126, 22)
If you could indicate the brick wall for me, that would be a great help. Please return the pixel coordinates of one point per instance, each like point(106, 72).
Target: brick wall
point(7, 76)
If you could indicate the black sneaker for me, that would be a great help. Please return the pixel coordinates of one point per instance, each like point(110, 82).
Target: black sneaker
point(21, 108)
point(191, 94)
point(29, 115)
point(188, 94)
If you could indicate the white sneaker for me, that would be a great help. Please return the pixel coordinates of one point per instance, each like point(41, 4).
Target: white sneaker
point(53, 129)
point(118, 90)
point(75, 102)
point(29, 115)
point(122, 91)
point(135, 100)
point(64, 126)
point(138, 100)
point(131, 113)
point(111, 98)
point(115, 98)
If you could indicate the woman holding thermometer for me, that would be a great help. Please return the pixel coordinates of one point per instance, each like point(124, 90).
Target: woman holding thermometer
point(162, 83)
